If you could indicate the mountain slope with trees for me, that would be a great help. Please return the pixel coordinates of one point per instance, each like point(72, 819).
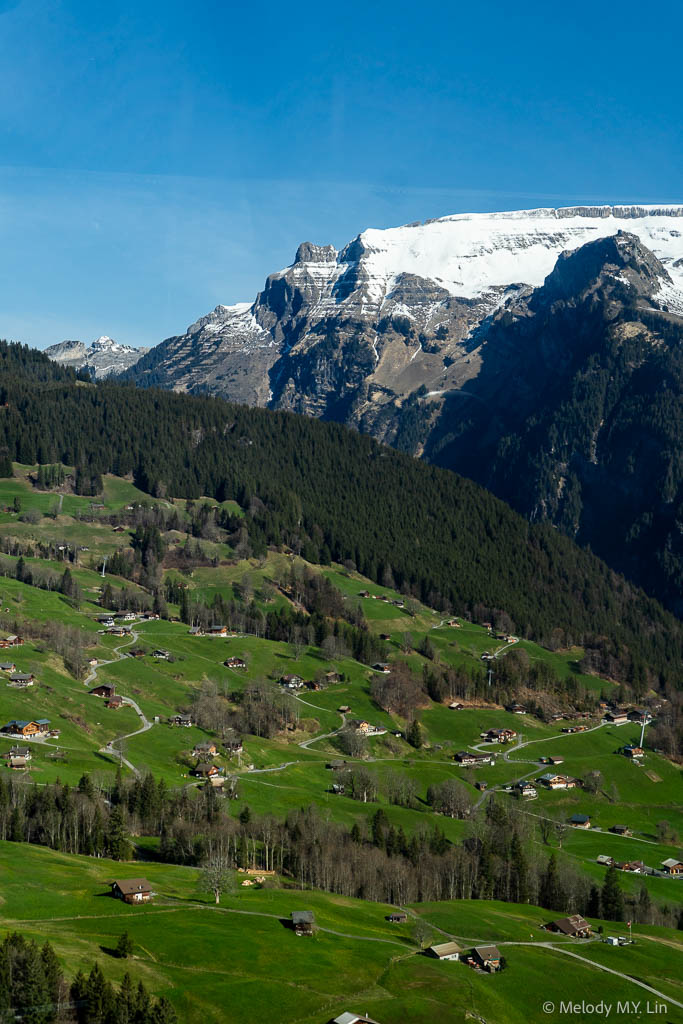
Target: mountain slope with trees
point(329, 493)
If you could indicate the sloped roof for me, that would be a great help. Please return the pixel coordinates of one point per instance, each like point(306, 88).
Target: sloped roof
point(129, 886)
point(446, 948)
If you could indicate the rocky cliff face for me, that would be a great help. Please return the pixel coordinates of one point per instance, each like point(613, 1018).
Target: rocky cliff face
point(577, 414)
point(103, 358)
point(355, 334)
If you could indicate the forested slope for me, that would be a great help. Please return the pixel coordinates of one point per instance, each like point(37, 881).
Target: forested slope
point(331, 493)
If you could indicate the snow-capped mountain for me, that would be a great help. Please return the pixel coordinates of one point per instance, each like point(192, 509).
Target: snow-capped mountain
point(103, 358)
point(391, 312)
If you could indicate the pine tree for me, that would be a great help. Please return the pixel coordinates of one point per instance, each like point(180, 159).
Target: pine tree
point(125, 946)
point(117, 840)
point(612, 896)
point(414, 734)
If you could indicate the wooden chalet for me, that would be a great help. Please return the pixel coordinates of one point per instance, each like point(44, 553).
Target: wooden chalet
point(303, 922)
point(382, 666)
point(132, 890)
point(621, 830)
point(204, 771)
point(12, 641)
point(616, 717)
point(499, 735)
point(104, 690)
point(343, 709)
point(467, 758)
point(235, 663)
point(453, 706)
point(24, 752)
point(527, 790)
point(551, 760)
point(21, 680)
point(635, 867)
point(7, 666)
point(580, 820)
point(516, 709)
point(138, 652)
point(445, 951)
point(39, 727)
point(672, 866)
point(634, 752)
point(574, 926)
point(217, 630)
point(291, 681)
point(206, 749)
point(398, 917)
point(183, 720)
point(115, 702)
point(196, 631)
point(487, 958)
point(160, 654)
point(332, 677)
point(551, 781)
point(234, 746)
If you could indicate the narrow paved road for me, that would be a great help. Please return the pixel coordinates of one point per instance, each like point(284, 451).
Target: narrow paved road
point(146, 724)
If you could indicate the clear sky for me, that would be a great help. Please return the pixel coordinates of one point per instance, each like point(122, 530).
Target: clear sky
point(159, 158)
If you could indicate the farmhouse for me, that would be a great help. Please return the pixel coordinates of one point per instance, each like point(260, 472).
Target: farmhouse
point(672, 866)
point(234, 746)
point(499, 735)
point(551, 760)
point(527, 790)
point(132, 890)
point(616, 717)
point(104, 690)
point(456, 707)
point(12, 641)
point(139, 652)
point(115, 702)
point(352, 1018)
point(332, 677)
point(196, 631)
point(343, 709)
point(558, 781)
point(161, 654)
point(516, 709)
point(18, 763)
point(235, 663)
point(636, 867)
point(24, 752)
point(217, 630)
point(580, 820)
point(206, 749)
point(621, 830)
point(397, 918)
point(445, 951)
point(575, 926)
point(604, 858)
point(184, 720)
point(487, 957)
point(634, 752)
point(464, 757)
point(291, 682)
point(382, 666)
point(639, 715)
point(33, 728)
point(303, 922)
point(21, 680)
point(204, 771)
point(7, 666)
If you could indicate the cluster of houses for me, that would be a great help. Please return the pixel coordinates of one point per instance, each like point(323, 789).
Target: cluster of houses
point(108, 692)
point(615, 714)
point(17, 758)
point(481, 958)
point(292, 683)
point(397, 602)
point(17, 680)
point(217, 630)
point(671, 867)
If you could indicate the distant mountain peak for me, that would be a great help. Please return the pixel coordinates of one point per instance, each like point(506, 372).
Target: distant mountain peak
point(103, 358)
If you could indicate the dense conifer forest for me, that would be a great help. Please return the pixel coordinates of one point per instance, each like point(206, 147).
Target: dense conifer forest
point(329, 493)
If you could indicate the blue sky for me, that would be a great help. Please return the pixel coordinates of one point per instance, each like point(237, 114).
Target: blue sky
point(159, 158)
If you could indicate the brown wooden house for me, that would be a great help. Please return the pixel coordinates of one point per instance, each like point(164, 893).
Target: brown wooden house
point(132, 890)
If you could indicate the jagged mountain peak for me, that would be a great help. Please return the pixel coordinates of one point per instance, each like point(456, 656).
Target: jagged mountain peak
point(103, 358)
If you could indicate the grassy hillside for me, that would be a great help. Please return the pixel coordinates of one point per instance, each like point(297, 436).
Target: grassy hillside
point(240, 955)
